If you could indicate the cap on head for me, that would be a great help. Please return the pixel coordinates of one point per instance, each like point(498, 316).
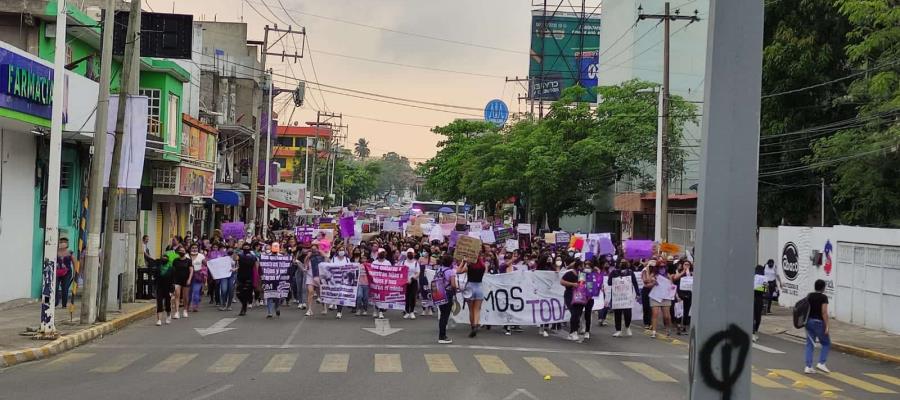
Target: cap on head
point(276, 247)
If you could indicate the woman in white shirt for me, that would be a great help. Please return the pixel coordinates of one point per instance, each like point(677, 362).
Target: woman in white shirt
point(412, 283)
point(198, 263)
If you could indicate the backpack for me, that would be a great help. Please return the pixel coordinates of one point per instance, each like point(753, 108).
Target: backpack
point(441, 288)
point(801, 312)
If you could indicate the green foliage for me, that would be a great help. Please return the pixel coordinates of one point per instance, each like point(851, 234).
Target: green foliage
point(557, 164)
point(361, 148)
point(396, 175)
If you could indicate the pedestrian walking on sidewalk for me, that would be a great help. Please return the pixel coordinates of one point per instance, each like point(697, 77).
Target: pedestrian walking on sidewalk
point(817, 328)
point(759, 294)
point(773, 282)
point(198, 264)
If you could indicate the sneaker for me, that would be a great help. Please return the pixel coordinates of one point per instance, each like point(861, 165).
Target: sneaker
point(544, 333)
point(381, 315)
point(507, 332)
point(175, 316)
point(602, 322)
point(184, 314)
point(445, 341)
point(412, 315)
point(617, 334)
point(406, 316)
point(308, 314)
point(627, 331)
point(587, 335)
point(277, 313)
point(823, 368)
point(300, 307)
point(338, 316)
point(227, 308)
point(168, 320)
point(755, 338)
point(472, 333)
point(158, 322)
point(809, 370)
point(325, 311)
point(365, 313)
point(653, 334)
point(268, 316)
point(573, 336)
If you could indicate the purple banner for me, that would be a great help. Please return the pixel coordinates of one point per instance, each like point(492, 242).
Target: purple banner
point(304, 234)
point(273, 173)
point(348, 226)
point(233, 230)
point(638, 249)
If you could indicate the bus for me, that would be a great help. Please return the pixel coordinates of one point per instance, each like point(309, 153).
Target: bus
point(437, 207)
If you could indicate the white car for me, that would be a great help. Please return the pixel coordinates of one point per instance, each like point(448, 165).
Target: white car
point(370, 211)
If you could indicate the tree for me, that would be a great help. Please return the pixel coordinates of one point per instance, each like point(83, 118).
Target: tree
point(396, 175)
point(361, 148)
point(864, 158)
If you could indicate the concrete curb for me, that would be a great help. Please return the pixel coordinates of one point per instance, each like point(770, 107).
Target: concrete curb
point(856, 351)
point(75, 339)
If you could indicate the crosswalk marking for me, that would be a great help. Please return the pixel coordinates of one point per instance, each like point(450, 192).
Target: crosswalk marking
point(649, 372)
point(798, 377)
point(762, 381)
point(544, 366)
point(281, 363)
point(598, 370)
point(334, 363)
point(492, 364)
point(119, 363)
point(885, 378)
point(388, 363)
point(767, 349)
point(64, 360)
point(227, 363)
point(869, 387)
point(440, 363)
point(173, 362)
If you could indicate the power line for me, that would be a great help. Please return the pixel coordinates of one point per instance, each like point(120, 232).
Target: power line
point(418, 35)
point(825, 162)
point(388, 122)
point(315, 74)
point(826, 83)
point(421, 67)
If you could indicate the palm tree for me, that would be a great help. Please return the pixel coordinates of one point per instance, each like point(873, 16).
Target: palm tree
point(362, 148)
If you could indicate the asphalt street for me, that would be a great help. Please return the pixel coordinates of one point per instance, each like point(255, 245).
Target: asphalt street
point(296, 357)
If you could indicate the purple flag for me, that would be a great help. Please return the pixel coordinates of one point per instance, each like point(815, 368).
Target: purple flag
point(638, 249)
point(606, 245)
point(348, 224)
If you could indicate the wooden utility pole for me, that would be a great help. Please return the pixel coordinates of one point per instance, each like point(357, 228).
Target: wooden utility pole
point(662, 192)
point(128, 88)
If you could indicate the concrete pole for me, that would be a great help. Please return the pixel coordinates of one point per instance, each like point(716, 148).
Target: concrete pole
point(51, 227)
point(98, 161)
point(130, 71)
point(265, 219)
point(726, 222)
point(660, 121)
point(254, 167)
point(662, 195)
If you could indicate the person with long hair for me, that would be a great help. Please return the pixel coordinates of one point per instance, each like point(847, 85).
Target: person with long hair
point(444, 286)
point(660, 300)
point(623, 313)
point(473, 292)
point(198, 277)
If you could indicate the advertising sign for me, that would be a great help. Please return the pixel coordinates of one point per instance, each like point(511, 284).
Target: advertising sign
point(564, 52)
point(805, 256)
point(195, 182)
point(26, 85)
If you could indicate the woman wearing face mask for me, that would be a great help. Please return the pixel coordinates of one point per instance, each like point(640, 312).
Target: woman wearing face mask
point(198, 263)
point(424, 286)
point(412, 283)
point(625, 276)
point(247, 263)
point(183, 274)
point(661, 296)
point(572, 281)
point(685, 281)
point(340, 259)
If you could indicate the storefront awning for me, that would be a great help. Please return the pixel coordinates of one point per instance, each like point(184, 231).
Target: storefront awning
point(277, 204)
point(227, 197)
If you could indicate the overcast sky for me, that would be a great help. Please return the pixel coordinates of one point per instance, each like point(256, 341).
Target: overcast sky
point(496, 23)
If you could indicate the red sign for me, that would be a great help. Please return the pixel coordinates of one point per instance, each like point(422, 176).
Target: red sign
point(195, 182)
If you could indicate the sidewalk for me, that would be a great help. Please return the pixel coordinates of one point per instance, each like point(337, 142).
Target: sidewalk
point(852, 339)
point(16, 344)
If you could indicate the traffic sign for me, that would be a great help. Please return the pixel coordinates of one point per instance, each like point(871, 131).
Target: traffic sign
point(496, 112)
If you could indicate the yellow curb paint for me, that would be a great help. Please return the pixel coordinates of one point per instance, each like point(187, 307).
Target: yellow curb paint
point(649, 372)
point(762, 381)
point(885, 378)
point(492, 364)
point(545, 367)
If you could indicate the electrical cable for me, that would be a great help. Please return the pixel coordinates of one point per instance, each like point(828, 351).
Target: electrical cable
point(826, 83)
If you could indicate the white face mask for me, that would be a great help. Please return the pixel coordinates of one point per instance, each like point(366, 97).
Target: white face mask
point(559, 263)
point(342, 253)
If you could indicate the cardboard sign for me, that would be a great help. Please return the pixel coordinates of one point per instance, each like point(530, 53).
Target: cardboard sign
point(220, 268)
point(622, 293)
point(467, 249)
point(511, 245)
point(550, 237)
point(687, 283)
point(562, 239)
point(524, 229)
point(503, 234)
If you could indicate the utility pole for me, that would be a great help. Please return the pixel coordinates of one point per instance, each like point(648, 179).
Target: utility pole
point(265, 221)
point(726, 221)
point(254, 168)
point(98, 161)
point(130, 76)
point(662, 193)
point(47, 329)
point(528, 98)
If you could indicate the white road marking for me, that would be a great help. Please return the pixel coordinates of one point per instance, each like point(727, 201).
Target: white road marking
point(218, 327)
point(520, 393)
point(766, 349)
point(293, 334)
point(213, 393)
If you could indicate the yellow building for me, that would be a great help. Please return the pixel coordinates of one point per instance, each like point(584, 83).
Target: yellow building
point(288, 149)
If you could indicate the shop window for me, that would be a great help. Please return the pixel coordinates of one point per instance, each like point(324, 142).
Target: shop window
point(153, 121)
point(285, 141)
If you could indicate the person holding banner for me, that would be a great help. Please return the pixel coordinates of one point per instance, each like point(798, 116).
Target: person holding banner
point(685, 281)
point(576, 299)
point(340, 259)
point(624, 290)
point(662, 293)
point(362, 293)
point(381, 260)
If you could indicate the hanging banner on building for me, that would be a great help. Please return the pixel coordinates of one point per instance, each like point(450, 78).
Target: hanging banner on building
point(387, 286)
point(195, 182)
point(276, 282)
point(518, 298)
point(339, 283)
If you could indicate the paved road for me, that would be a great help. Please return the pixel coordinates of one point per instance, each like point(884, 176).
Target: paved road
point(321, 358)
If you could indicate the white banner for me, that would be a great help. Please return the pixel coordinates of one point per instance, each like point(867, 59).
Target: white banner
point(517, 298)
point(686, 283)
point(220, 268)
point(488, 237)
point(511, 244)
point(664, 289)
point(391, 226)
point(339, 283)
point(623, 296)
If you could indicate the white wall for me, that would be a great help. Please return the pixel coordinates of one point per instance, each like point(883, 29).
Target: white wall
point(767, 246)
point(799, 274)
point(17, 157)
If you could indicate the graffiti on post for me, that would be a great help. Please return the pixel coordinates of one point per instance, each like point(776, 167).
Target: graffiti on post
point(733, 346)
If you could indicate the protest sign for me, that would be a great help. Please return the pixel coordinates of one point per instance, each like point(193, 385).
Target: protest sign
point(416, 230)
point(454, 236)
point(576, 242)
point(387, 286)
point(687, 283)
point(623, 295)
point(436, 233)
point(487, 236)
point(329, 233)
point(304, 234)
point(511, 245)
point(669, 248)
point(338, 283)
point(503, 234)
point(467, 249)
point(562, 239)
point(447, 228)
point(220, 268)
point(348, 226)
point(276, 282)
point(664, 289)
point(475, 227)
point(527, 298)
point(524, 229)
point(638, 249)
point(550, 237)
point(391, 226)
point(233, 230)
